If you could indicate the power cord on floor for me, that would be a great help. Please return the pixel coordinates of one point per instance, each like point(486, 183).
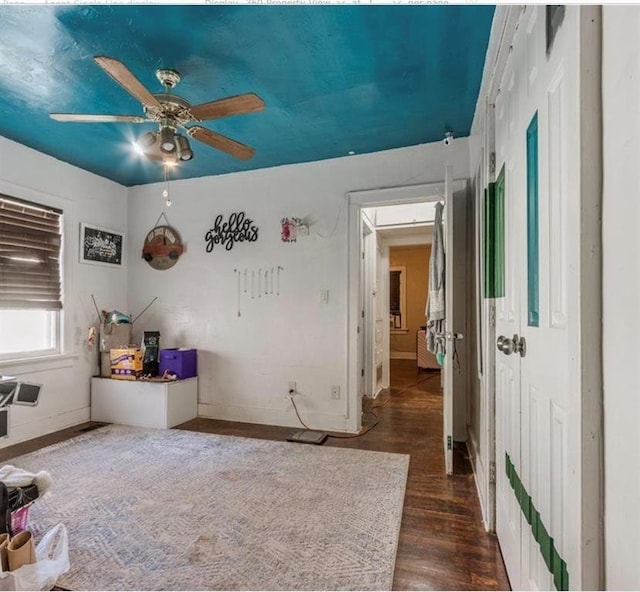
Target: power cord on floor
point(295, 407)
point(370, 411)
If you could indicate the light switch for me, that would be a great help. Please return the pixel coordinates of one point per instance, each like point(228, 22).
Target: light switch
point(324, 296)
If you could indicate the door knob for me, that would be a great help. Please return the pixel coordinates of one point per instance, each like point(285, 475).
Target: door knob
point(505, 345)
point(520, 345)
point(508, 346)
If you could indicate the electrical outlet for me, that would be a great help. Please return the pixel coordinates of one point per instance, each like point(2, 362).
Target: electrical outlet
point(335, 392)
point(292, 390)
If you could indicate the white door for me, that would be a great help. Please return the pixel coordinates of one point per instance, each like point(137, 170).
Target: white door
point(538, 496)
point(507, 375)
point(447, 404)
point(364, 231)
point(369, 328)
point(505, 202)
point(455, 369)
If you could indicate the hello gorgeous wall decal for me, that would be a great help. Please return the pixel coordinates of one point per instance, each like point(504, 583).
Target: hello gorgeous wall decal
point(237, 229)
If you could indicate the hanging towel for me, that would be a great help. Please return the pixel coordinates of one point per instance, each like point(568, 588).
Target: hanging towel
point(436, 310)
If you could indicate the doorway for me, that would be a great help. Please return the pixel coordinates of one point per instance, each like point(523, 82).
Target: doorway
point(365, 328)
point(408, 290)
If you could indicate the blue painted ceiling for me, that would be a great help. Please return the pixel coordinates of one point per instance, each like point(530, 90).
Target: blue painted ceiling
point(334, 79)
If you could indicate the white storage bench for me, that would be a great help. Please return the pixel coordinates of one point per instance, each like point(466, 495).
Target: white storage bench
point(144, 403)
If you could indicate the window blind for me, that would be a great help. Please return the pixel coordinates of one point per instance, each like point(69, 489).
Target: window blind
point(30, 248)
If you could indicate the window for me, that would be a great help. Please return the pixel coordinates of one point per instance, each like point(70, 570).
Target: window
point(30, 278)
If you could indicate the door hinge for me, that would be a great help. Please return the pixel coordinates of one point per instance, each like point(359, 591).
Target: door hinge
point(492, 316)
point(363, 254)
point(449, 443)
point(358, 329)
point(362, 313)
point(362, 372)
point(492, 163)
point(492, 472)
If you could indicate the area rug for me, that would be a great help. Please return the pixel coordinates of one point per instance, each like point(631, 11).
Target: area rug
point(176, 510)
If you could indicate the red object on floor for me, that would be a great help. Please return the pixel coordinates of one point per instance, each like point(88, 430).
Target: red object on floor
point(19, 520)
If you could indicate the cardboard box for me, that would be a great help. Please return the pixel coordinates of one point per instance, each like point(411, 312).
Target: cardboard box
point(182, 362)
point(126, 363)
point(111, 337)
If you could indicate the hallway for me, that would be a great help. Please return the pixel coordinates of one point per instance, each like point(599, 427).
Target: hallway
point(443, 545)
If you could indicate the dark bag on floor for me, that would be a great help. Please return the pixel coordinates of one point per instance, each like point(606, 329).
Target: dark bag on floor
point(21, 496)
point(5, 510)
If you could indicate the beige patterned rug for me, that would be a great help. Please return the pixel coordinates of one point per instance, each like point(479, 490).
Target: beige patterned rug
point(176, 510)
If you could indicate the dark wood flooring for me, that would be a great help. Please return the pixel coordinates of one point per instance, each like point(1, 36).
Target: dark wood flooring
point(443, 544)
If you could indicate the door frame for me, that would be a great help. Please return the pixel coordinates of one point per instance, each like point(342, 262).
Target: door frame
point(356, 200)
point(367, 288)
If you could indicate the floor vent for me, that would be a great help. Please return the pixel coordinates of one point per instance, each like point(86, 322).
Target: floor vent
point(92, 427)
point(308, 437)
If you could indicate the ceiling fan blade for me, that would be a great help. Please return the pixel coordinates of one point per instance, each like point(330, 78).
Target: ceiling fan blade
point(247, 103)
point(221, 142)
point(121, 74)
point(83, 118)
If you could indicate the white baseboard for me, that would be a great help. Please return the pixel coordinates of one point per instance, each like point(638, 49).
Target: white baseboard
point(479, 476)
point(278, 417)
point(44, 425)
point(403, 355)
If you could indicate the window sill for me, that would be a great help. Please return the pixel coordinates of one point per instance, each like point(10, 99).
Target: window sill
point(37, 364)
point(399, 331)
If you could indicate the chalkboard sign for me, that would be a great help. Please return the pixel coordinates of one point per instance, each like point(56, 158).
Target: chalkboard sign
point(100, 245)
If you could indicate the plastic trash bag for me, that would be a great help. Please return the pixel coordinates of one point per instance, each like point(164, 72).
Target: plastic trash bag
point(52, 560)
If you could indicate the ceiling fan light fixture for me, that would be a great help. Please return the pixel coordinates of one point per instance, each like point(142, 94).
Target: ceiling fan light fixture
point(145, 142)
point(167, 139)
point(171, 113)
point(170, 160)
point(184, 149)
point(138, 149)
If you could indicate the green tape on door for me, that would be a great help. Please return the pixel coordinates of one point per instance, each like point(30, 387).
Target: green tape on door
point(555, 564)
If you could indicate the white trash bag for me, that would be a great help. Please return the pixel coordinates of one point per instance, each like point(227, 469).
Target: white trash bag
point(52, 560)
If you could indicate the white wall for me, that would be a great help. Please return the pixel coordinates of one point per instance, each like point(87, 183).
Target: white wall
point(84, 197)
point(621, 294)
point(246, 362)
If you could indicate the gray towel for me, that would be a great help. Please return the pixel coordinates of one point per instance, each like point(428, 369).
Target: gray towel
point(436, 309)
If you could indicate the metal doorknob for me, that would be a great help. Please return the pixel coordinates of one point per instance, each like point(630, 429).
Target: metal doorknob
point(520, 345)
point(509, 346)
point(505, 345)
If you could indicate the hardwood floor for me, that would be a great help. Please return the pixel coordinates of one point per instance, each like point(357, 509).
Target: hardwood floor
point(443, 545)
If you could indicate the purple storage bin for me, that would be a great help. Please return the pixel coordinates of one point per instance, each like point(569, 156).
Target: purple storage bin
point(182, 362)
